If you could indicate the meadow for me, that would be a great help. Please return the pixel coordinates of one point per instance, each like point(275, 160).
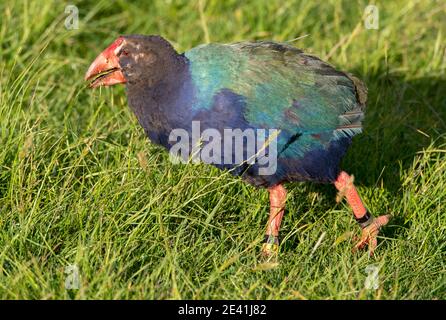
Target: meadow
point(83, 190)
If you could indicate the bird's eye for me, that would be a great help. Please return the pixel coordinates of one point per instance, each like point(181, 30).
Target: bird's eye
point(124, 52)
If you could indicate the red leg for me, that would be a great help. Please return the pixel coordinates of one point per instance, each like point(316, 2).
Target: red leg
point(277, 199)
point(370, 225)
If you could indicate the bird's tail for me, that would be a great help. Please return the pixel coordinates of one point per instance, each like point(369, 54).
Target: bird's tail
point(350, 122)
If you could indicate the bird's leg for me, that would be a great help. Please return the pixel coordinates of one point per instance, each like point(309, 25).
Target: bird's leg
point(277, 199)
point(369, 224)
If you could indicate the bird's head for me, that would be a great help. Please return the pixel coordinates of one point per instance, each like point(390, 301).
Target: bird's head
point(132, 59)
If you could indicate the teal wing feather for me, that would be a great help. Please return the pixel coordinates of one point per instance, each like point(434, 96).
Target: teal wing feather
point(284, 89)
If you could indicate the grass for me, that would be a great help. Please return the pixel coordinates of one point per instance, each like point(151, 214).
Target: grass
point(81, 185)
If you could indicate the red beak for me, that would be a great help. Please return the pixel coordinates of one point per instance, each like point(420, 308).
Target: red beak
point(105, 69)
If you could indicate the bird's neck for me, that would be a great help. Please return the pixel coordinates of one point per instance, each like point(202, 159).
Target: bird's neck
point(164, 105)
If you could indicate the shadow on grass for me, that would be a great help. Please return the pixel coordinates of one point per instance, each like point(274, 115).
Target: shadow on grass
point(403, 117)
point(396, 228)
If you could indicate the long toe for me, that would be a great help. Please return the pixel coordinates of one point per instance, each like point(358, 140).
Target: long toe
point(369, 236)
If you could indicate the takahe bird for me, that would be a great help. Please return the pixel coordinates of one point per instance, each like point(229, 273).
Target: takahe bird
point(314, 109)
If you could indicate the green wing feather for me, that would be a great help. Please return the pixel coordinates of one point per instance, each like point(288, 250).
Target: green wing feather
point(284, 89)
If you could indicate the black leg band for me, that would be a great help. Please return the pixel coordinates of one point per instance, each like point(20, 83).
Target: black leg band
point(365, 220)
point(271, 239)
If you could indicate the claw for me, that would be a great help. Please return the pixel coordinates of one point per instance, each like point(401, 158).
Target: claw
point(370, 233)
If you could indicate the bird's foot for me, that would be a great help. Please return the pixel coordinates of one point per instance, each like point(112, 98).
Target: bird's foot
point(270, 248)
point(369, 234)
